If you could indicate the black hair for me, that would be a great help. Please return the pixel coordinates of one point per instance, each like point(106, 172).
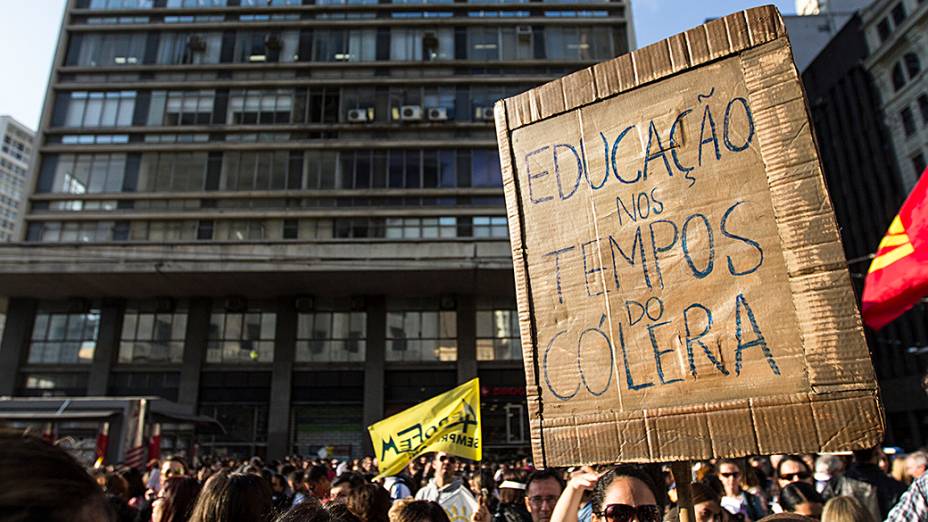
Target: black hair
point(643, 473)
point(316, 473)
point(798, 493)
point(792, 458)
point(544, 474)
point(351, 478)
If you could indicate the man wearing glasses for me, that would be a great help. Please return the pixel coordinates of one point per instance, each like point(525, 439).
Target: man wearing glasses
point(542, 490)
point(444, 484)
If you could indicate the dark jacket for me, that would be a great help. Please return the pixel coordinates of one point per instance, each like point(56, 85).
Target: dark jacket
point(888, 489)
point(512, 513)
point(864, 492)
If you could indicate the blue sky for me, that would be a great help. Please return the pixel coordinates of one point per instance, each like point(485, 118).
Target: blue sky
point(29, 32)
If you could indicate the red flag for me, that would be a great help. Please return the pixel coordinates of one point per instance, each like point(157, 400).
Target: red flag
point(898, 275)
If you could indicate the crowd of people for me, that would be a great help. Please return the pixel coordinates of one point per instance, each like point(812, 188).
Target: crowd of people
point(42, 482)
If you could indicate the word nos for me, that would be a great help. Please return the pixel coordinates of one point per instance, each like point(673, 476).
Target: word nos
point(570, 167)
point(417, 436)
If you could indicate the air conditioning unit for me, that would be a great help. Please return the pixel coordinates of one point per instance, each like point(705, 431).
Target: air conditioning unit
point(438, 114)
point(196, 43)
point(524, 31)
point(358, 115)
point(272, 41)
point(484, 114)
point(411, 112)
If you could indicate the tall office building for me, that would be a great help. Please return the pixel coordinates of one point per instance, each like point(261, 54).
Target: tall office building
point(285, 214)
point(15, 159)
point(862, 177)
point(815, 7)
point(896, 35)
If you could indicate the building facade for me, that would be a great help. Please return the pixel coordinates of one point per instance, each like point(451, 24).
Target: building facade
point(284, 214)
point(897, 36)
point(15, 160)
point(860, 169)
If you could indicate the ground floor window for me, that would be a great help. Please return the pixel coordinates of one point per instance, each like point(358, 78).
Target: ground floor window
point(332, 430)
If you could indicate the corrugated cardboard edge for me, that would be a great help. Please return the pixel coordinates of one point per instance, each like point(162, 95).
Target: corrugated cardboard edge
point(818, 421)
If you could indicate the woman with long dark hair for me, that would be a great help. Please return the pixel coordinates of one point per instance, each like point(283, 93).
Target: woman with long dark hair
point(235, 497)
point(176, 499)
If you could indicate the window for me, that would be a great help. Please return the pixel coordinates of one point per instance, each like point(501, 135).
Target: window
point(172, 171)
point(107, 49)
point(172, 108)
point(175, 48)
point(72, 232)
point(250, 107)
point(497, 330)
point(342, 45)
point(918, 163)
point(100, 109)
point(196, 3)
point(490, 227)
point(421, 228)
point(116, 4)
point(883, 29)
point(60, 336)
point(898, 14)
point(410, 44)
point(162, 231)
point(316, 105)
point(908, 121)
point(243, 230)
point(332, 333)
point(578, 43)
point(240, 336)
point(913, 65)
point(898, 77)
point(420, 330)
point(150, 335)
point(320, 168)
point(358, 228)
point(254, 170)
point(89, 173)
point(485, 169)
point(923, 108)
point(252, 47)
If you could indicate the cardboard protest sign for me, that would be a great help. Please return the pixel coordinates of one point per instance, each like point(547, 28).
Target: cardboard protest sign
point(682, 288)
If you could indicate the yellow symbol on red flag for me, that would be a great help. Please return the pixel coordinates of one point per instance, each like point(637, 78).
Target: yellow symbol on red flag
point(894, 246)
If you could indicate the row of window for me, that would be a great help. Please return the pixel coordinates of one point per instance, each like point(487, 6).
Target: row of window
point(346, 45)
point(894, 20)
point(192, 4)
point(268, 171)
point(9, 166)
point(412, 228)
point(905, 70)
point(416, 330)
point(92, 109)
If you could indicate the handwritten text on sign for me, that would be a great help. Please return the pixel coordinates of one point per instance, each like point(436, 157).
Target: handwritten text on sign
point(657, 275)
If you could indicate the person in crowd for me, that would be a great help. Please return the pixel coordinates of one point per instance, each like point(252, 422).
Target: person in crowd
point(116, 489)
point(845, 509)
point(444, 483)
point(826, 467)
point(344, 484)
point(707, 505)
point(313, 511)
point(173, 466)
point(234, 497)
point(865, 469)
point(369, 502)
point(840, 484)
point(42, 482)
point(916, 463)
point(175, 501)
point(787, 517)
point(914, 503)
point(735, 498)
point(317, 482)
point(281, 497)
point(483, 483)
point(791, 468)
point(297, 486)
point(511, 506)
point(542, 491)
point(399, 486)
point(409, 510)
point(898, 471)
point(624, 493)
point(801, 498)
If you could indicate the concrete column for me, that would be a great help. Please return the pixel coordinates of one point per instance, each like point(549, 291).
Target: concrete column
point(374, 360)
point(467, 338)
point(17, 332)
point(107, 348)
point(278, 423)
point(194, 353)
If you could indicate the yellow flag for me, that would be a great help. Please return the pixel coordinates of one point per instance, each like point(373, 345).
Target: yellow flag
point(449, 422)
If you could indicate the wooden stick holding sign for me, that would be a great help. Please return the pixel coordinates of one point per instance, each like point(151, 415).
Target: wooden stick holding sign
point(681, 282)
point(683, 478)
